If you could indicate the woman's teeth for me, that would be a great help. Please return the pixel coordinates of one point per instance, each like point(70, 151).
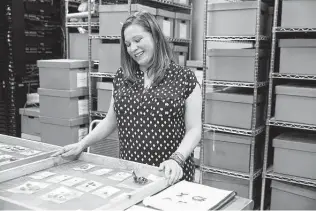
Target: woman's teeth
point(139, 54)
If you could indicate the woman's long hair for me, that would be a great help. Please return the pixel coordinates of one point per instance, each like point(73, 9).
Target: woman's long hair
point(162, 54)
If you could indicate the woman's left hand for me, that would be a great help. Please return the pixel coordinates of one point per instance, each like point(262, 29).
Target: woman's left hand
point(172, 170)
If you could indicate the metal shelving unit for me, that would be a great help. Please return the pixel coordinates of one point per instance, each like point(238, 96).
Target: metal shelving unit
point(258, 41)
point(277, 33)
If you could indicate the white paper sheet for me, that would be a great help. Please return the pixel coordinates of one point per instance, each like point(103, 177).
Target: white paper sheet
point(84, 167)
point(89, 186)
point(61, 195)
point(73, 181)
point(120, 176)
point(106, 191)
point(187, 196)
point(29, 187)
point(42, 175)
point(101, 172)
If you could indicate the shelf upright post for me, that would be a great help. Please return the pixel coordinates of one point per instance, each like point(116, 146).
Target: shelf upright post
point(267, 135)
point(66, 29)
point(90, 62)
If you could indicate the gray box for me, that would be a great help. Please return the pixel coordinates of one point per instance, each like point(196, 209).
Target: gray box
point(305, 14)
point(297, 56)
point(78, 46)
point(63, 104)
point(232, 152)
point(236, 65)
point(30, 123)
point(104, 95)
point(111, 57)
point(111, 17)
point(166, 22)
point(182, 26)
point(63, 74)
point(236, 19)
point(180, 54)
point(296, 103)
point(295, 154)
point(233, 108)
point(232, 184)
point(63, 131)
point(286, 196)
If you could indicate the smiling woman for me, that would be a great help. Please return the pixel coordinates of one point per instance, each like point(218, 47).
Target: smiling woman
point(156, 104)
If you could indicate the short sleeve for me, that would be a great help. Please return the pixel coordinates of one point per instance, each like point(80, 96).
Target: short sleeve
point(190, 82)
point(118, 79)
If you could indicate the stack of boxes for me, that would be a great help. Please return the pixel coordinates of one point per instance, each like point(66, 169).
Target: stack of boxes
point(294, 151)
point(232, 107)
point(173, 24)
point(30, 124)
point(63, 97)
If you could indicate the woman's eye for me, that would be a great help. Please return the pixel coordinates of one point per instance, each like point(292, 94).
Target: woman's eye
point(138, 40)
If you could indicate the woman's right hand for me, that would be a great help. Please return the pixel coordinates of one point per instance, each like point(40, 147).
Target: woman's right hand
point(70, 150)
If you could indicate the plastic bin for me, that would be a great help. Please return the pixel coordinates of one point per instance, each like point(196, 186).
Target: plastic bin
point(104, 95)
point(78, 46)
point(181, 54)
point(296, 103)
point(231, 152)
point(286, 196)
point(166, 22)
point(63, 104)
point(236, 19)
point(236, 65)
point(305, 14)
point(182, 26)
point(63, 131)
point(30, 123)
point(112, 17)
point(232, 184)
point(295, 154)
point(110, 52)
point(297, 56)
point(233, 108)
point(63, 74)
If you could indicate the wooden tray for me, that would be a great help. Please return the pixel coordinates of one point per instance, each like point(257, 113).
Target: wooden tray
point(130, 192)
point(45, 151)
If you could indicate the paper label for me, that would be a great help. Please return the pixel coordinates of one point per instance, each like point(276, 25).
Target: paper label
point(106, 191)
point(101, 172)
point(181, 60)
point(84, 167)
point(42, 175)
point(82, 132)
point(197, 152)
point(166, 26)
point(82, 79)
point(29, 152)
point(182, 1)
point(120, 176)
point(83, 107)
point(29, 187)
point(58, 179)
point(89, 186)
point(61, 195)
point(183, 31)
point(72, 181)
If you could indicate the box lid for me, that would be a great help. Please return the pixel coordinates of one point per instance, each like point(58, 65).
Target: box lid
point(250, 52)
point(297, 43)
point(233, 94)
point(183, 16)
point(63, 63)
point(296, 141)
point(105, 85)
point(65, 122)
point(296, 90)
point(236, 6)
point(305, 191)
point(125, 8)
point(225, 137)
point(31, 111)
point(63, 93)
point(178, 48)
point(194, 63)
point(166, 13)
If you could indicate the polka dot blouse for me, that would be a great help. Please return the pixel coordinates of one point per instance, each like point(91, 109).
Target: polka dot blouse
point(151, 122)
